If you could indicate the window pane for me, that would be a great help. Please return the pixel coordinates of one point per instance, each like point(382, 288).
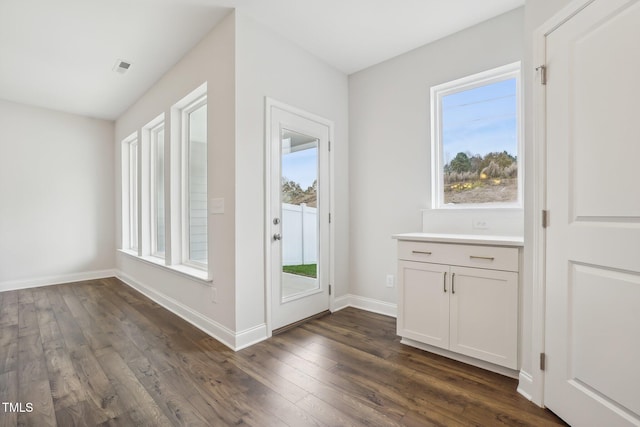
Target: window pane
point(133, 195)
point(480, 144)
point(159, 192)
point(198, 185)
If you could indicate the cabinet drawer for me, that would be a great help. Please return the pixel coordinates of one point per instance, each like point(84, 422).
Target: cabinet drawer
point(479, 256)
point(423, 252)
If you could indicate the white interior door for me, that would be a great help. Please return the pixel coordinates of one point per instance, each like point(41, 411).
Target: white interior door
point(593, 196)
point(299, 215)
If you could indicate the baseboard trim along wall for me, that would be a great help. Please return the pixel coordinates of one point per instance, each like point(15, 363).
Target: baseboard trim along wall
point(251, 336)
point(14, 285)
point(525, 385)
point(340, 303)
point(364, 303)
point(235, 341)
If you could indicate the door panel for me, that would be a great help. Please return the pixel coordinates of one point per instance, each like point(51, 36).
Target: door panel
point(593, 241)
point(604, 118)
point(602, 324)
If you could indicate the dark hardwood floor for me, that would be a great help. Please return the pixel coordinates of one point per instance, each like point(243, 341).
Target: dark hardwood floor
point(98, 353)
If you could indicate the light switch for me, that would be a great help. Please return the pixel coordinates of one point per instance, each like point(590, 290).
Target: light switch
point(216, 206)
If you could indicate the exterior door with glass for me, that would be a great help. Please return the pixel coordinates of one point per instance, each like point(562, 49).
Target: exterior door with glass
point(298, 214)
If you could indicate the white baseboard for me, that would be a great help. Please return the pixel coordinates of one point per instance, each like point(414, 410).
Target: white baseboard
point(233, 340)
point(340, 303)
point(364, 303)
point(525, 385)
point(251, 336)
point(13, 285)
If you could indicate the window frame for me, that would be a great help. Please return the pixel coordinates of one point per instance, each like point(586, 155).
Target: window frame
point(185, 112)
point(131, 191)
point(494, 75)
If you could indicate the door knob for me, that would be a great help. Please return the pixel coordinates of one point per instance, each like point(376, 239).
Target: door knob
point(277, 236)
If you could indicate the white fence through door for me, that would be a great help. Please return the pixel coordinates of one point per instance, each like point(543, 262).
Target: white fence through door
point(299, 234)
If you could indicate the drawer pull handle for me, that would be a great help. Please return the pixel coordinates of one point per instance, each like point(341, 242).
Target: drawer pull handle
point(444, 282)
point(421, 252)
point(453, 283)
point(489, 258)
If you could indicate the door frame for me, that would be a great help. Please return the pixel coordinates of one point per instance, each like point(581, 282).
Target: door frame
point(269, 104)
point(539, 199)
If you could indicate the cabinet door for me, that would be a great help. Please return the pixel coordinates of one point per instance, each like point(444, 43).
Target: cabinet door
point(423, 306)
point(484, 315)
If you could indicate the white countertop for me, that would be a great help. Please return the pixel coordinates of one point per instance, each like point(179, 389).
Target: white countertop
point(470, 239)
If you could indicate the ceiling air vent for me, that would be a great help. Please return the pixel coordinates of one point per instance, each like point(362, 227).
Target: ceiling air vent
point(121, 66)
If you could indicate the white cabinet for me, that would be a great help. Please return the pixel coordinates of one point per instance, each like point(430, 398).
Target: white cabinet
point(423, 308)
point(462, 298)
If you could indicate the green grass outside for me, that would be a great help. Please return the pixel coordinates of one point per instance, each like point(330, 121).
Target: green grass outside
point(308, 270)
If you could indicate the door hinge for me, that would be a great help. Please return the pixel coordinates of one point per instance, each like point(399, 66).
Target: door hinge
point(545, 218)
point(329, 289)
point(329, 145)
point(542, 69)
point(543, 361)
point(329, 217)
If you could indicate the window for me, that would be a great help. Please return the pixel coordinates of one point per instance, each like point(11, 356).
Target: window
point(194, 120)
point(130, 185)
point(476, 133)
point(157, 191)
point(164, 189)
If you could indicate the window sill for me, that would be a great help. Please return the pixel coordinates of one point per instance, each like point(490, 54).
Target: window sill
point(477, 208)
point(192, 273)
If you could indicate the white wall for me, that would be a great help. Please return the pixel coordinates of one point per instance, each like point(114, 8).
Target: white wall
point(389, 141)
point(211, 61)
point(269, 65)
point(56, 197)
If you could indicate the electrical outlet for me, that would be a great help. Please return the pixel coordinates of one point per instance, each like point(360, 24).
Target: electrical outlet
point(390, 281)
point(480, 224)
point(214, 294)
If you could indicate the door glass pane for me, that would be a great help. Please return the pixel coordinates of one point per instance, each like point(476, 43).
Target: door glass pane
point(198, 185)
point(300, 222)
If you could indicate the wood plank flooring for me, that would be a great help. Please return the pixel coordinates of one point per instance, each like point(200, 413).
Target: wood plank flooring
point(99, 353)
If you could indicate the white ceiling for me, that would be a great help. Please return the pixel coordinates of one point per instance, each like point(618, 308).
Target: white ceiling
point(60, 54)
